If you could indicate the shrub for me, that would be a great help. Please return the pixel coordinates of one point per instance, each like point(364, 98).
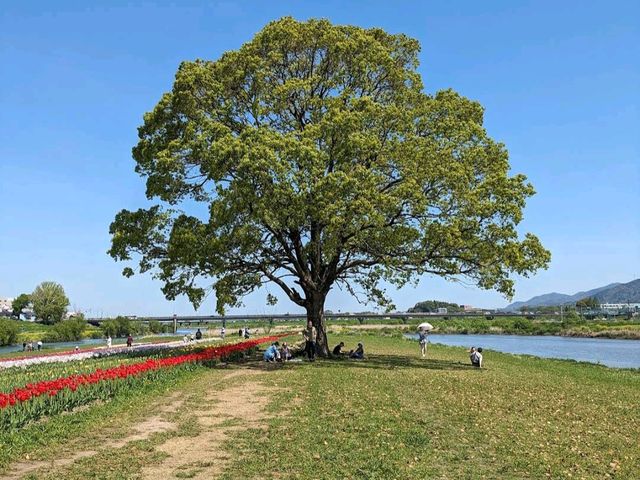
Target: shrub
point(66, 331)
point(116, 327)
point(156, 327)
point(8, 331)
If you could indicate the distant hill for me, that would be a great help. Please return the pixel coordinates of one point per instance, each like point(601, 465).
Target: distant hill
point(612, 293)
point(620, 293)
point(431, 306)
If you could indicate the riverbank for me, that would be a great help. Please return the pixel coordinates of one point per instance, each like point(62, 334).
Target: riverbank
point(394, 415)
point(625, 329)
point(616, 353)
point(516, 325)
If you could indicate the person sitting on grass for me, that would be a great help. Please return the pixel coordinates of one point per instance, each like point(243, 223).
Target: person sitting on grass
point(476, 357)
point(358, 353)
point(285, 353)
point(272, 353)
point(198, 335)
point(337, 350)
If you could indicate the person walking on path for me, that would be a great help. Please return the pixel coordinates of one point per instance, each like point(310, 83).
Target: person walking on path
point(222, 332)
point(129, 340)
point(310, 335)
point(39, 345)
point(423, 340)
point(109, 341)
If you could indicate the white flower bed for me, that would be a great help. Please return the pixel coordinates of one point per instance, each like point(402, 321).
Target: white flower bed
point(94, 353)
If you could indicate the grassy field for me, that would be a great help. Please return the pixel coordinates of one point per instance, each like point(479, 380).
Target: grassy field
point(392, 416)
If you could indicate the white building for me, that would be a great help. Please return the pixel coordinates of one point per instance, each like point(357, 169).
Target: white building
point(620, 306)
point(5, 305)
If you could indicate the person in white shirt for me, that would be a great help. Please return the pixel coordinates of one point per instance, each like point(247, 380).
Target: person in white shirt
point(476, 357)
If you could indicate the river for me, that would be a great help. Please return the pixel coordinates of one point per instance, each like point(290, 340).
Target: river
point(605, 351)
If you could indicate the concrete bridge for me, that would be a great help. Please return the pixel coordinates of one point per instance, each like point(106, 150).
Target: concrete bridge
point(178, 320)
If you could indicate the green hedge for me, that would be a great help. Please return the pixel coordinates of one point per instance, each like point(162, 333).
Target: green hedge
point(8, 332)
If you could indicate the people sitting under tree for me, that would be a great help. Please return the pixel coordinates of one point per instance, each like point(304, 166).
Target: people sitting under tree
point(337, 350)
point(358, 353)
point(272, 353)
point(285, 352)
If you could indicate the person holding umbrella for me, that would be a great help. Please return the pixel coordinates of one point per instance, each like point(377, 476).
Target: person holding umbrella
point(423, 339)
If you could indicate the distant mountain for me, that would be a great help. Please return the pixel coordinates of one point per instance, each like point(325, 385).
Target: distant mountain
point(620, 293)
point(612, 293)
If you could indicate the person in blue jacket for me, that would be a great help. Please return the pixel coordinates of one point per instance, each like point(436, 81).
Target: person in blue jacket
point(272, 353)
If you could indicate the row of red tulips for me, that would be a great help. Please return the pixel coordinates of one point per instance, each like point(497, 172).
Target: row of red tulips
point(37, 399)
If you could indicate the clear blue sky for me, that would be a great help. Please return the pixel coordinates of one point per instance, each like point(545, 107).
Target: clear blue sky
point(560, 82)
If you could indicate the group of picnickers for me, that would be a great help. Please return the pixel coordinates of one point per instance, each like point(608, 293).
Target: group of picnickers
point(275, 353)
point(475, 353)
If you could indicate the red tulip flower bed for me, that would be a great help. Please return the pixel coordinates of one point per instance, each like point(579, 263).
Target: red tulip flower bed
point(35, 400)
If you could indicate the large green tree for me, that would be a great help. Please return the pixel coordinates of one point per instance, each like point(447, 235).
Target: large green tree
point(19, 303)
point(49, 302)
point(320, 162)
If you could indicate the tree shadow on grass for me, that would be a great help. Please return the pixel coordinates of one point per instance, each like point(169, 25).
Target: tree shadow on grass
point(375, 361)
point(396, 362)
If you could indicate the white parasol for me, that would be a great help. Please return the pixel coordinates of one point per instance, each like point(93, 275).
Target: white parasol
point(425, 326)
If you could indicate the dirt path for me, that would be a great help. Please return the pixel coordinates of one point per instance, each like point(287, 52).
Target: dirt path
point(235, 408)
point(222, 410)
point(141, 431)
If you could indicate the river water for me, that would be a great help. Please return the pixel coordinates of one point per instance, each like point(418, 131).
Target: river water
point(606, 351)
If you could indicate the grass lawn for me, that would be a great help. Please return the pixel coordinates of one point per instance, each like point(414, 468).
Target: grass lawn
point(392, 416)
point(397, 415)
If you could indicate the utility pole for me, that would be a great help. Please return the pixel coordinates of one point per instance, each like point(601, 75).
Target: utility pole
point(175, 324)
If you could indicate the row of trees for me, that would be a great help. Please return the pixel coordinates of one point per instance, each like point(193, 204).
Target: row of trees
point(430, 306)
point(123, 326)
point(49, 302)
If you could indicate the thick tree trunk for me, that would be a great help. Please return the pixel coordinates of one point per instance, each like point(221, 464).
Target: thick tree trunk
point(315, 314)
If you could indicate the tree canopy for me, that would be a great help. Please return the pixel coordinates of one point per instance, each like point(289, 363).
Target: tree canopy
point(49, 302)
point(431, 306)
point(19, 303)
point(321, 162)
